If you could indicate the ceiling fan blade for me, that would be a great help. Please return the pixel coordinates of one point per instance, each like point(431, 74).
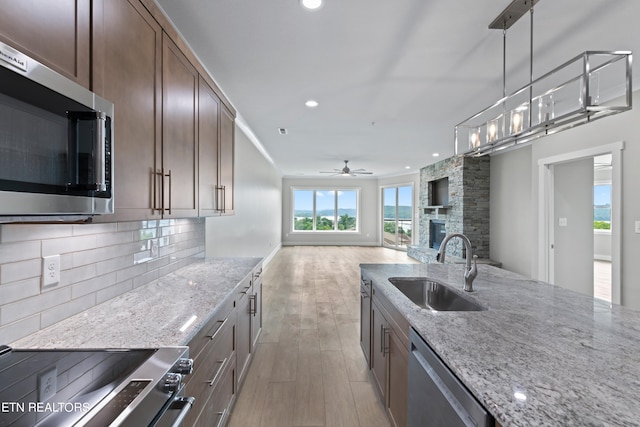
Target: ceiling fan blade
point(363, 173)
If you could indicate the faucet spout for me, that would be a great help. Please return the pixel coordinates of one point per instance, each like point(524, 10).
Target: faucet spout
point(470, 271)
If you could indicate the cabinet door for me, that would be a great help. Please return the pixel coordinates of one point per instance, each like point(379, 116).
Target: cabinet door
point(379, 332)
point(226, 160)
point(398, 380)
point(208, 133)
point(179, 139)
point(127, 71)
point(56, 33)
point(244, 331)
point(256, 311)
point(365, 324)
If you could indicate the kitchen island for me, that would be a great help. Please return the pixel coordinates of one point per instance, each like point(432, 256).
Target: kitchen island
point(540, 355)
point(165, 312)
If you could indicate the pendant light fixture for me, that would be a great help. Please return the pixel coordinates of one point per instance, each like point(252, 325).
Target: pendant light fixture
point(592, 85)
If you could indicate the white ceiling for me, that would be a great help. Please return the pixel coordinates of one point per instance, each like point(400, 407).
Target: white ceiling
point(392, 78)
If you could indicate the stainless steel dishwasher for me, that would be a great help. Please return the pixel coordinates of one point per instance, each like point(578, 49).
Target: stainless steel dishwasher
point(436, 397)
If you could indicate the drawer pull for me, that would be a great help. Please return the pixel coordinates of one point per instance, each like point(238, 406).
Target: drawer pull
point(253, 304)
point(220, 369)
point(221, 415)
point(245, 290)
point(215, 334)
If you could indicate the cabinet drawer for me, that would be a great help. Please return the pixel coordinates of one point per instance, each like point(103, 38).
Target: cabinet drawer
point(244, 289)
point(256, 276)
point(214, 327)
point(211, 366)
point(218, 408)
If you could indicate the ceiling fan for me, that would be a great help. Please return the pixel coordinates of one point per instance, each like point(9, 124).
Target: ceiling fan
point(345, 171)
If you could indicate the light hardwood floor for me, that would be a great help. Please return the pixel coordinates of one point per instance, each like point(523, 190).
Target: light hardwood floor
point(602, 280)
point(308, 368)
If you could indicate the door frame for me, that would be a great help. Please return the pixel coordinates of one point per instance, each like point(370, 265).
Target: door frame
point(545, 211)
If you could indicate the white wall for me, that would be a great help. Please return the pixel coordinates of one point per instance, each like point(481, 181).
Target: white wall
point(622, 127)
point(511, 207)
point(255, 229)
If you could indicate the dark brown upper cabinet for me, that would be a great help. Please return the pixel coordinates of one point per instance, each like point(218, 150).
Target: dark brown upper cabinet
point(57, 34)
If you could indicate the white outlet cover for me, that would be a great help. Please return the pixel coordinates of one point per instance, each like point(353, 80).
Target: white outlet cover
point(47, 384)
point(562, 222)
point(50, 270)
point(637, 226)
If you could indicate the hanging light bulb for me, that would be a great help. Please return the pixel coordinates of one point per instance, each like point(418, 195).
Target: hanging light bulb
point(492, 130)
point(516, 121)
point(474, 138)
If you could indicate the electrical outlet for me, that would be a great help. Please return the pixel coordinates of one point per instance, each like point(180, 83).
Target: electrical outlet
point(637, 226)
point(47, 384)
point(50, 270)
point(562, 222)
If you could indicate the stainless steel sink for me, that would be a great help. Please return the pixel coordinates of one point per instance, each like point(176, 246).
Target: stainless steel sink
point(433, 295)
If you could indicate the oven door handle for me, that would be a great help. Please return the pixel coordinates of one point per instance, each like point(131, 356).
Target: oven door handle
point(185, 403)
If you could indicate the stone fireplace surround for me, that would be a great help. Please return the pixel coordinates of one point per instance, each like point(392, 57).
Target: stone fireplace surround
point(466, 212)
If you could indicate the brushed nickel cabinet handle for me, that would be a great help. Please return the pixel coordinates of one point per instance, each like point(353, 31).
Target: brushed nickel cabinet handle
point(220, 198)
point(224, 199)
point(215, 334)
point(221, 415)
point(220, 369)
point(385, 346)
point(252, 304)
point(170, 188)
point(154, 177)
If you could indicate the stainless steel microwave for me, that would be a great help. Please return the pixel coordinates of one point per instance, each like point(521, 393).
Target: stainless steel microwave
point(56, 146)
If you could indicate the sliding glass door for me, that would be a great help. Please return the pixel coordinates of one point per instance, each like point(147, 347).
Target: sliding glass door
point(397, 217)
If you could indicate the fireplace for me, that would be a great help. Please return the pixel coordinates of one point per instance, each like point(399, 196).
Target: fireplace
point(436, 233)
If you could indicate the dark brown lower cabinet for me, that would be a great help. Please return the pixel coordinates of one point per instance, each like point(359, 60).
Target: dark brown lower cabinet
point(244, 328)
point(389, 355)
point(216, 413)
point(213, 363)
point(379, 328)
point(365, 318)
point(398, 359)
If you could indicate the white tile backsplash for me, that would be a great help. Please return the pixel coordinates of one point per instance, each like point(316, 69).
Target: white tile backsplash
point(98, 262)
point(14, 271)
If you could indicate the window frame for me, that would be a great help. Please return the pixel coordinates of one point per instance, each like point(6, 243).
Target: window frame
point(335, 190)
point(610, 185)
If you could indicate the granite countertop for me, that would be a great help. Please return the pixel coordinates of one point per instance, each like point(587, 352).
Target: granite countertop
point(575, 358)
point(153, 315)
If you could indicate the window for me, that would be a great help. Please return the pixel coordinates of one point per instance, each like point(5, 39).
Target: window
point(325, 210)
point(602, 207)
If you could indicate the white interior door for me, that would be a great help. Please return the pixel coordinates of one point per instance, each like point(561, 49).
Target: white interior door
point(573, 225)
point(561, 260)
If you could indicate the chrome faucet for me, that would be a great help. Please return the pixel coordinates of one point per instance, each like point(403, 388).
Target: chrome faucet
point(470, 272)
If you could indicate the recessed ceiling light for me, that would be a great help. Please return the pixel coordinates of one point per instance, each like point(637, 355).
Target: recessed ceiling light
point(311, 4)
point(407, 167)
point(282, 131)
point(312, 103)
point(436, 154)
